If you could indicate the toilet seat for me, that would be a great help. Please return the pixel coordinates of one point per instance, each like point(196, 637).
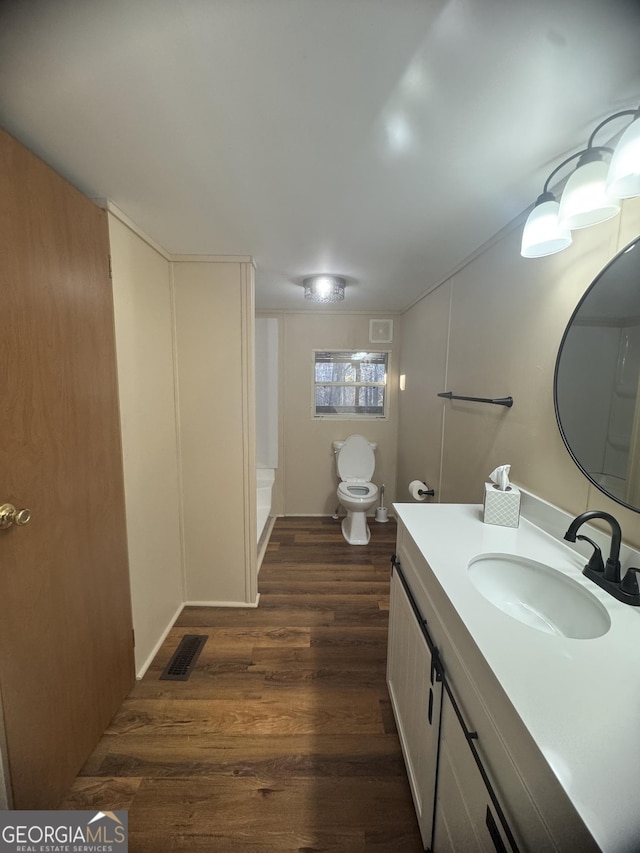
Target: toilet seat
point(357, 489)
point(355, 460)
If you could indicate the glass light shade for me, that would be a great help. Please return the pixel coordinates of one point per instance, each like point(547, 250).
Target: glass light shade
point(324, 288)
point(585, 200)
point(623, 180)
point(543, 234)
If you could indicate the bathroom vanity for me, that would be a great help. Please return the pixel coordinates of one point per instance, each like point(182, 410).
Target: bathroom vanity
point(514, 738)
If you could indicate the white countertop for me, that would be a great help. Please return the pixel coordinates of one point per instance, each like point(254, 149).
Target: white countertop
point(579, 698)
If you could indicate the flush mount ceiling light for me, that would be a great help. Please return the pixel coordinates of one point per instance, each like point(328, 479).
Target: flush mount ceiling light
point(324, 288)
point(591, 194)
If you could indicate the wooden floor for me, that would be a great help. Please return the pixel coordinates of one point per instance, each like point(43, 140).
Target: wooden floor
point(283, 737)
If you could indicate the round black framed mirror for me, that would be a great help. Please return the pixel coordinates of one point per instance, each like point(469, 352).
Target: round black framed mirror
point(596, 379)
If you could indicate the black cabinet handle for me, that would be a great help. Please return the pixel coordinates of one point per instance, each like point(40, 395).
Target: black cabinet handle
point(437, 668)
point(436, 664)
point(498, 843)
point(430, 714)
point(471, 737)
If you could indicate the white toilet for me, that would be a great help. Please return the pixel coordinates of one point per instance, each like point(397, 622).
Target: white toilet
point(356, 463)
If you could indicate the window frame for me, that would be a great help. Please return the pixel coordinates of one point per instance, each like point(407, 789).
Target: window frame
point(349, 416)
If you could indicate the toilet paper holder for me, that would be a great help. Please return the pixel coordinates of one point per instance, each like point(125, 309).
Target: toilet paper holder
point(417, 492)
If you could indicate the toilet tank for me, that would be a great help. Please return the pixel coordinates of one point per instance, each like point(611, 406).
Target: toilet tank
point(338, 444)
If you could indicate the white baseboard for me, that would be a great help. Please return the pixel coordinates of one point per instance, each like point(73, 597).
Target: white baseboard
point(223, 603)
point(145, 666)
point(264, 540)
point(306, 515)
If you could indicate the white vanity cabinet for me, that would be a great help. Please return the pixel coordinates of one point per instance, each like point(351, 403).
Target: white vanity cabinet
point(453, 804)
point(466, 818)
point(415, 688)
point(493, 790)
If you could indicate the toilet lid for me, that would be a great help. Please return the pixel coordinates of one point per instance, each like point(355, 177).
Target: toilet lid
point(356, 460)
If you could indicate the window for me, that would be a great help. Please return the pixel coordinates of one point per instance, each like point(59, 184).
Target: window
point(351, 384)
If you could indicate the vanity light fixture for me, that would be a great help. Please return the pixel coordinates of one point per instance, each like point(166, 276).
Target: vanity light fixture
point(585, 200)
point(591, 194)
point(623, 180)
point(543, 234)
point(324, 288)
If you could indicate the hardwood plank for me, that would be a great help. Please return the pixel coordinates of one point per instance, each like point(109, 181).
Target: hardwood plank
point(304, 756)
point(338, 571)
point(264, 684)
point(336, 657)
point(341, 809)
point(202, 617)
point(295, 712)
point(91, 793)
point(305, 587)
point(222, 641)
point(312, 555)
point(231, 688)
point(334, 602)
point(341, 637)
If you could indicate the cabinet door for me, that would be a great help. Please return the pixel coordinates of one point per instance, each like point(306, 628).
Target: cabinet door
point(465, 818)
point(416, 697)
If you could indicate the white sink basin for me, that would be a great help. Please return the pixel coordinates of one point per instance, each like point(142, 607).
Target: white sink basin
point(539, 596)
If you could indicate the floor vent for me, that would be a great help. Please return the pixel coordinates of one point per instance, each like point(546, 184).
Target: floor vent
point(184, 658)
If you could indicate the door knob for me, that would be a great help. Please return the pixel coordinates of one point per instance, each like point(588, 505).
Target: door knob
point(10, 515)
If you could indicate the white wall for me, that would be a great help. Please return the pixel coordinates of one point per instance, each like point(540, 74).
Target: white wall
point(214, 315)
point(506, 317)
point(425, 336)
point(144, 339)
point(267, 375)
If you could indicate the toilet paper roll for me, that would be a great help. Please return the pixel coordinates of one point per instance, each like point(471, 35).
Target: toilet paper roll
point(414, 487)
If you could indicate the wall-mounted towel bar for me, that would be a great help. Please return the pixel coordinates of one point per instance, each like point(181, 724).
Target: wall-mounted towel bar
point(496, 401)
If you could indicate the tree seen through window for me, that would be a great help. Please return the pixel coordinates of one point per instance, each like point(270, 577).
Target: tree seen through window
point(350, 383)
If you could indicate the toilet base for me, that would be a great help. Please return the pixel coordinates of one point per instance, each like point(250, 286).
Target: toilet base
point(355, 528)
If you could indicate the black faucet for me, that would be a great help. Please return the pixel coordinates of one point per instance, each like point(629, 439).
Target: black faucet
point(607, 575)
point(612, 566)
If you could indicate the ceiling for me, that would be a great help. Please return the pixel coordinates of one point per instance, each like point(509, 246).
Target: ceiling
point(382, 140)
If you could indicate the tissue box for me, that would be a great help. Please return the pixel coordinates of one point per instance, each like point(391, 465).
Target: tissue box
point(501, 508)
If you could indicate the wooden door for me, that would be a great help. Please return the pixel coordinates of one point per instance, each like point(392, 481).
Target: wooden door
point(66, 640)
